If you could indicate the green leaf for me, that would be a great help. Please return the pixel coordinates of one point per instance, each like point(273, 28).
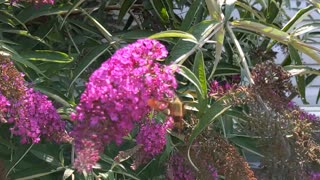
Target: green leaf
point(273, 10)
point(47, 56)
point(199, 69)
point(35, 172)
point(307, 28)
point(126, 174)
point(125, 7)
point(170, 8)
point(298, 17)
point(32, 12)
point(46, 157)
point(219, 46)
point(185, 72)
point(11, 19)
point(76, 5)
point(135, 34)
point(269, 31)
point(226, 69)
point(280, 36)
point(216, 109)
point(103, 30)
point(236, 114)
point(87, 60)
point(318, 97)
point(254, 12)
point(83, 26)
point(301, 70)
point(26, 34)
point(174, 33)
point(54, 95)
point(214, 9)
point(183, 49)
point(247, 143)
point(17, 58)
point(295, 57)
point(67, 173)
point(160, 10)
point(306, 49)
point(191, 15)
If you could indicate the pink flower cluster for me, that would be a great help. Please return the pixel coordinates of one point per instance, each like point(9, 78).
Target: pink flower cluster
point(178, 169)
point(116, 96)
point(33, 116)
point(217, 89)
point(214, 172)
point(36, 2)
point(152, 137)
point(4, 108)
point(315, 176)
point(303, 115)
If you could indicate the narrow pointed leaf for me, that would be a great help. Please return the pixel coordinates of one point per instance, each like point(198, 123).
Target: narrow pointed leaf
point(295, 70)
point(216, 109)
point(67, 173)
point(295, 57)
point(200, 72)
point(125, 7)
point(174, 33)
point(32, 12)
point(183, 49)
point(247, 143)
point(185, 72)
point(47, 56)
point(191, 15)
point(86, 61)
point(160, 10)
point(76, 5)
point(219, 46)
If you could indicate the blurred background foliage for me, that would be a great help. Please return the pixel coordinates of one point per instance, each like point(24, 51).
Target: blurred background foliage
point(58, 47)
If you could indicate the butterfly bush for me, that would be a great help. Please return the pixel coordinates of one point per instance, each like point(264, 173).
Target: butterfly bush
point(152, 137)
point(34, 116)
point(12, 84)
point(36, 2)
point(303, 115)
point(179, 169)
point(4, 107)
point(116, 97)
point(217, 89)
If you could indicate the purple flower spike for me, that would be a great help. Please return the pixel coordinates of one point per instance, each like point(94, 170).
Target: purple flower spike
point(116, 95)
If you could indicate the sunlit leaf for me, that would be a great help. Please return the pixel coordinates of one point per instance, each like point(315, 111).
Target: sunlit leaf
point(295, 57)
point(125, 7)
point(174, 33)
point(47, 56)
point(160, 10)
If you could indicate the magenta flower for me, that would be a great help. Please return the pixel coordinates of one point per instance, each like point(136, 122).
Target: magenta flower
point(4, 108)
point(315, 176)
point(153, 137)
point(303, 115)
point(214, 172)
point(33, 116)
point(217, 89)
point(116, 95)
point(178, 169)
point(36, 2)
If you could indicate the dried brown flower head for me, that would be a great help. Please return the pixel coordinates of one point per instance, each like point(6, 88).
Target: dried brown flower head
point(11, 80)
